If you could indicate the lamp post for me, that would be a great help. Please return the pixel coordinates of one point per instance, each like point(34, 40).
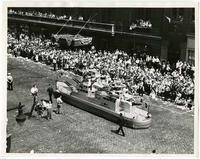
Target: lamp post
point(20, 118)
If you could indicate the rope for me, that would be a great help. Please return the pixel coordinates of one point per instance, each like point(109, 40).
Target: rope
point(84, 25)
point(63, 26)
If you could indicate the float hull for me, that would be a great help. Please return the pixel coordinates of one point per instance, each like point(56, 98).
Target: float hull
point(102, 109)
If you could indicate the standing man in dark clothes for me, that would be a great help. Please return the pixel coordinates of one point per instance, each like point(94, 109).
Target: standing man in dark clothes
point(15, 52)
point(50, 92)
point(121, 124)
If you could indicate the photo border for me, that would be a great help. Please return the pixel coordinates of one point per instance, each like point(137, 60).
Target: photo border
point(79, 3)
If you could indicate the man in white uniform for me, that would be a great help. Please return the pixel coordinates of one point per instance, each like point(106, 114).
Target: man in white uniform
point(10, 81)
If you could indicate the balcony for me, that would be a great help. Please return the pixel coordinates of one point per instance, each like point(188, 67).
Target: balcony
point(109, 28)
point(78, 24)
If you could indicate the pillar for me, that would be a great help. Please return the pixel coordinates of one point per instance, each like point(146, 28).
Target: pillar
point(164, 50)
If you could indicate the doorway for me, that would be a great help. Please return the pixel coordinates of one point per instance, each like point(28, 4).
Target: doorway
point(174, 52)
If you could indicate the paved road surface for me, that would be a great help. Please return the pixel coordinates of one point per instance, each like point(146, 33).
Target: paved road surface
point(77, 131)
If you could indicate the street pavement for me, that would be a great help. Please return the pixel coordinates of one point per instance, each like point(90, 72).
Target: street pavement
point(77, 131)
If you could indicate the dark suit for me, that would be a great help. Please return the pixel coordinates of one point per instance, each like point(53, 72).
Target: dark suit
point(34, 104)
point(50, 92)
point(121, 124)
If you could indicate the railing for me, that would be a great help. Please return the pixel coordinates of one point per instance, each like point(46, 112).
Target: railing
point(70, 23)
point(94, 26)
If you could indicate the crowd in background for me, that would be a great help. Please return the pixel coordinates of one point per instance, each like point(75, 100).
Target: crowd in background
point(44, 15)
point(141, 24)
point(143, 74)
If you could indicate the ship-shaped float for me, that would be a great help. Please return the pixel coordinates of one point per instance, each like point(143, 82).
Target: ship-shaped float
point(92, 93)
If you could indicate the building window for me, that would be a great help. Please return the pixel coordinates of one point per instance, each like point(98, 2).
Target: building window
point(190, 58)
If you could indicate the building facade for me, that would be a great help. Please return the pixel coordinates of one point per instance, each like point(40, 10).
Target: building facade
point(171, 35)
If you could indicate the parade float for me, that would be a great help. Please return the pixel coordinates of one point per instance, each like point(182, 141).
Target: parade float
point(94, 94)
point(72, 40)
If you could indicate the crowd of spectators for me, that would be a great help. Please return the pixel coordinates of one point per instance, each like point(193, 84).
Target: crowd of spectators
point(141, 24)
point(143, 74)
point(44, 15)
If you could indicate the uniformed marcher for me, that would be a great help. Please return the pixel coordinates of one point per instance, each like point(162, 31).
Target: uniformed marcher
point(10, 81)
point(121, 124)
point(50, 92)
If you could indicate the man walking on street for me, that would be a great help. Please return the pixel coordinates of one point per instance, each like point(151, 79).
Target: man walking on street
point(121, 124)
point(50, 92)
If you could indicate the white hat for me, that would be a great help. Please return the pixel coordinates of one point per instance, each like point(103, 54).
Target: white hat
point(9, 73)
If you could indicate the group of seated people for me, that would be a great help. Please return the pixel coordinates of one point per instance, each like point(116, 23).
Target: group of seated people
point(141, 74)
point(43, 106)
point(43, 14)
point(141, 24)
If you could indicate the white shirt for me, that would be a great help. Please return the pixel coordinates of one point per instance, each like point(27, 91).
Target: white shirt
point(153, 60)
point(54, 60)
point(89, 82)
point(37, 57)
point(177, 64)
point(48, 105)
point(157, 60)
point(59, 100)
point(10, 78)
point(34, 90)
